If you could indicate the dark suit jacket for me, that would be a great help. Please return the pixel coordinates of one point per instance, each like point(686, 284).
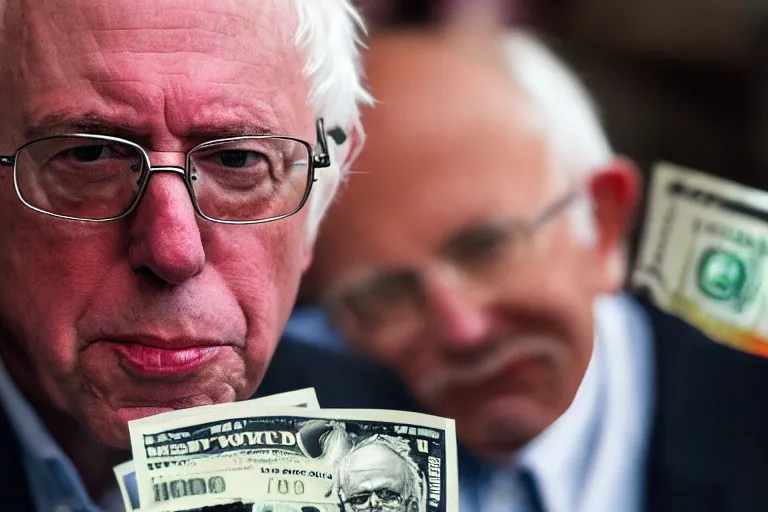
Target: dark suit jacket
point(709, 443)
point(341, 381)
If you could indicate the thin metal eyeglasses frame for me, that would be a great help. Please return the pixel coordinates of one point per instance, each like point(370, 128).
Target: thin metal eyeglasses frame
point(335, 300)
point(554, 209)
point(317, 161)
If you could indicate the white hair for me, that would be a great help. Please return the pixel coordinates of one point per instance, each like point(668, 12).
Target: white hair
point(329, 35)
point(566, 115)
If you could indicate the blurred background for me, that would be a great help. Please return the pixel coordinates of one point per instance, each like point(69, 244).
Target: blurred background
point(685, 81)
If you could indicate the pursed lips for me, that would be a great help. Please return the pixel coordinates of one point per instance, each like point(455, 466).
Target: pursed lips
point(151, 357)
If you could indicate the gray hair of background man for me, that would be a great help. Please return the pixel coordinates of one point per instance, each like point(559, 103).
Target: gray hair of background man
point(566, 115)
point(329, 35)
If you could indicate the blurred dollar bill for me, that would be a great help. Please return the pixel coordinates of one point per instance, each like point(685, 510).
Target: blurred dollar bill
point(703, 255)
point(295, 460)
point(126, 472)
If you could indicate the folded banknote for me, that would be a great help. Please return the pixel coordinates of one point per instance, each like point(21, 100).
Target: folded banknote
point(248, 456)
point(703, 255)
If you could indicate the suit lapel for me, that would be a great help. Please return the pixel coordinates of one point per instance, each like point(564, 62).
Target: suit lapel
point(670, 492)
point(708, 451)
point(674, 478)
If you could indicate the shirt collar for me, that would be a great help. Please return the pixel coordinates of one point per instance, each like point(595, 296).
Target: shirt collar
point(559, 457)
point(51, 474)
point(33, 437)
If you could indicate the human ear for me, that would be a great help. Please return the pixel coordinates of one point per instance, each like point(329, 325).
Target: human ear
point(615, 190)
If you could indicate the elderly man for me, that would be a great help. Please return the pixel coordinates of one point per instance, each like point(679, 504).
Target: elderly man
point(154, 165)
point(477, 250)
point(378, 475)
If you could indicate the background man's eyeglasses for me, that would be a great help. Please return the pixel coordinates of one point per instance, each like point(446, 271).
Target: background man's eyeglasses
point(98, 178)
point(393, 306)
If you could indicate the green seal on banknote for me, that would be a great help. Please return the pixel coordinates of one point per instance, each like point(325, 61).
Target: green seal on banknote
point(722, 275)
point(724, 271)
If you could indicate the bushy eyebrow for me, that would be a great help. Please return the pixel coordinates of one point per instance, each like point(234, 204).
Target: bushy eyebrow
point(90, 122)
point(212, 131)
point(58, 123)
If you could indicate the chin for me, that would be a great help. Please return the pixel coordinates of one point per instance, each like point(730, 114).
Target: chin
point(110, 427)
point(113, 397)
point(502, 426)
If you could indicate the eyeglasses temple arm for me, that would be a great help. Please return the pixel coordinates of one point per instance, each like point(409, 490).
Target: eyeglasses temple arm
point(7, 161)
point(323, 159)
point(557, 207)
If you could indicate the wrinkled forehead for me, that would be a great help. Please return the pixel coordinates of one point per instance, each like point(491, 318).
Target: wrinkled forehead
point(42, 29)
point(144, 52)
point(375, 467)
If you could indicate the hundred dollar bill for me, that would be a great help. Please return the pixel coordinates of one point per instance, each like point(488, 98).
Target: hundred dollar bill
point(293, 460)
point(703, 255)
point(125, 472)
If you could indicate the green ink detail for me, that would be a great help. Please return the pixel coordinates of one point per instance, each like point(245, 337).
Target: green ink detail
point(722, 275)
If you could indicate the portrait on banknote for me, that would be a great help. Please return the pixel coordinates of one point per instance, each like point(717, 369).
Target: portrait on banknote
point(380, 473)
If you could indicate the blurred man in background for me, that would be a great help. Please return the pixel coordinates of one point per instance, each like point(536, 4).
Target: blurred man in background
point(478, 252)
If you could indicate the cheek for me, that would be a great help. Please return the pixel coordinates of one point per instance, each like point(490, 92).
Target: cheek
point(413, 360)
point(52, 265)
point(262, 265)
point(51, 273)
point(553, 295)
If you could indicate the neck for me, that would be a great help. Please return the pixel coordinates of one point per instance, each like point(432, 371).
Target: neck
point(93, 460)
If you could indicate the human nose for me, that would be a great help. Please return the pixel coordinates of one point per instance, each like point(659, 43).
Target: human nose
point(458, 309)
point(165, 236)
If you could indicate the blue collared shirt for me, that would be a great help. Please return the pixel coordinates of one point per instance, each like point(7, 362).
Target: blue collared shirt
point(55, 484)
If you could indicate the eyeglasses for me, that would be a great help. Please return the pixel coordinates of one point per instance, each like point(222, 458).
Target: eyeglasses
point(98, 178)
point(393, 305)
point(377, 499)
